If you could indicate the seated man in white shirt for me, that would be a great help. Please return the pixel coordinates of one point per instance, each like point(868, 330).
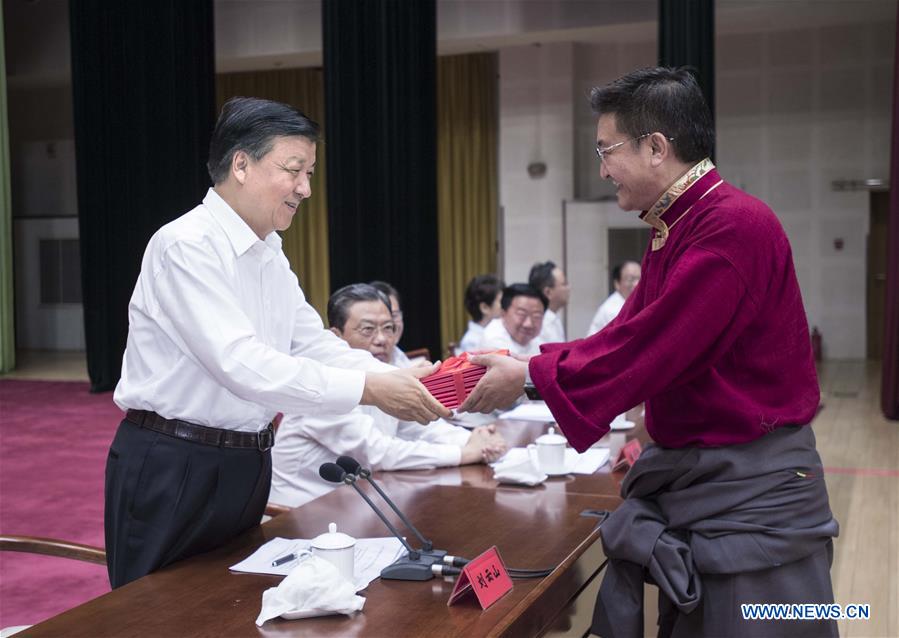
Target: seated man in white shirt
point(550, 280)
point(482, 301)
point(360, 315)
point(625, 278)
point(397, 357)
point(518, 328)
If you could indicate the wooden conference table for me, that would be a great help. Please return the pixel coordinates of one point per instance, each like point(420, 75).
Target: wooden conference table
point(462, 510)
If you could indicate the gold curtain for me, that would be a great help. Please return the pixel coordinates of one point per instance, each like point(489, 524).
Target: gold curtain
point(306, 241)
point(466, 179)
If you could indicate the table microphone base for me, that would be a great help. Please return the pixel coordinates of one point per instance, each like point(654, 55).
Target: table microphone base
point(404, 568)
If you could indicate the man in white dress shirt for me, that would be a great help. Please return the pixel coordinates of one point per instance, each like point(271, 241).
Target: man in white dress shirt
point(220, 340)
point(518, 329)
point(359, 314)
point(483, 297)
point(625, 278)
point(397, 357)
point(550, 280)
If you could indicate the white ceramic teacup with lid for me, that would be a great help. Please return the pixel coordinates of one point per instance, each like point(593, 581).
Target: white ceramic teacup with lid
point(551, 452)
point(337, 548)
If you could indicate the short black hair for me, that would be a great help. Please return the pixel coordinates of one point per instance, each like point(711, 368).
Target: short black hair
point(251, 125)
point(388, 290)
point(660, 99)
point(481, 289)
point(616, 271)
point(342, 300)
point(522, 290)
point(542, 276)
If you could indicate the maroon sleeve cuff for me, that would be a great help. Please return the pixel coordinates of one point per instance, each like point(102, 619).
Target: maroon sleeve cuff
point(580, 432)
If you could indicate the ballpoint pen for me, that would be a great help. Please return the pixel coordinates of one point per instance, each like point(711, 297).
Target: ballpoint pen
point(292, 556)
point(284, 559)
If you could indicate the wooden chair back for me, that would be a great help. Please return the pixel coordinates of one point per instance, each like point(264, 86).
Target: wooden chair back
point(419, 352)
point(52, 547)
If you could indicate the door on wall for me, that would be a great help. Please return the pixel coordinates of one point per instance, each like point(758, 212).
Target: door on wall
point(876, 273)
point(625, 244)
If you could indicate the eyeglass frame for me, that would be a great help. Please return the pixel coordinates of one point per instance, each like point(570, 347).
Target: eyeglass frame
point(602, 152)
point(377, 329)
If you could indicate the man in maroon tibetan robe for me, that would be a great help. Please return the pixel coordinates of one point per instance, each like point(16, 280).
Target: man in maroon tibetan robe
point(714, 340)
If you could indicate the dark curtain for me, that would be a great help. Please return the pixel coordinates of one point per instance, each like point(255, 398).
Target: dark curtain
point(143, 87)
point(380, 108)
point(889, 395)
point(687, 37)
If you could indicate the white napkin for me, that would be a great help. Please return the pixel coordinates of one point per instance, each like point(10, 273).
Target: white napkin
point(312, 588)
point(472, 420)
point(519, 464)
point(516, 466)
point(620, 422)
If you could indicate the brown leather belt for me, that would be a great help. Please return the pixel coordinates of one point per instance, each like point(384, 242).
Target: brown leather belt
point(262, 440)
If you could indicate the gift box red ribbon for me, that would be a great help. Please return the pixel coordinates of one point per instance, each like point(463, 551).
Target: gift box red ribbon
point(455, 370)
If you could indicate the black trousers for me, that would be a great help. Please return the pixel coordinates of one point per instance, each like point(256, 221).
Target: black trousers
point(168, 499)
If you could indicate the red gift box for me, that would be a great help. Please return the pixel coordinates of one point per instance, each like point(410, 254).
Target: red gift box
point(455, 379)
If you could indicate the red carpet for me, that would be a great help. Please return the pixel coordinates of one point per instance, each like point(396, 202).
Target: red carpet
point(54, 437)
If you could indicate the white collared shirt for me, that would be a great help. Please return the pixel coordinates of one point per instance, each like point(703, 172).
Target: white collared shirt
point(220, 333)
point(471, 340)
point(399, 359)
point(496, 337)
point(375, 439)
point(553, 331)
point(607, 311)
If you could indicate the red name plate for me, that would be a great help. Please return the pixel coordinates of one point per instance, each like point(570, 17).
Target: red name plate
point(628, 455)
point(487, 576)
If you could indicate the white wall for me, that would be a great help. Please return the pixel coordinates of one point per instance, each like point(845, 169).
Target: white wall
point(797, 109)
point(536, 124)
point(40, 326)
point(545, 114)
point(587, 241)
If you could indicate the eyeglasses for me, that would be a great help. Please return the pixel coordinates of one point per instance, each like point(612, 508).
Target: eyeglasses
point(368, 331)
point(602, 152)
point(522, 315)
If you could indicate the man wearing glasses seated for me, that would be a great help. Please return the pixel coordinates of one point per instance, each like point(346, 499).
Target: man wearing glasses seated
point(360, 315)
point(625, 278)
point(518, 329)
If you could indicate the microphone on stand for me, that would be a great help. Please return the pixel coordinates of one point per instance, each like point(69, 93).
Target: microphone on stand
point(352, 466)
point(335, 474)
point(415, 565)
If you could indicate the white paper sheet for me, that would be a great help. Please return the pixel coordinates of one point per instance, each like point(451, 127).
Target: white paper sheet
point(372, 555)
point(534, 411)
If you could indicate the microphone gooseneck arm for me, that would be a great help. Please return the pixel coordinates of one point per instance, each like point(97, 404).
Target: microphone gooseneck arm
point(351, 466)
point(413, 554)
point(415, 565)
point(334, 473)
point(426, 545)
